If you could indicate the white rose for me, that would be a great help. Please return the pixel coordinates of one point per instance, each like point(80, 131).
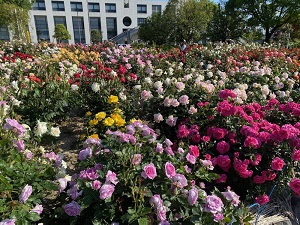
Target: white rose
point(55, 131)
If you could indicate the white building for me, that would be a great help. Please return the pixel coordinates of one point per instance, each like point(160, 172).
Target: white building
point(109, 17)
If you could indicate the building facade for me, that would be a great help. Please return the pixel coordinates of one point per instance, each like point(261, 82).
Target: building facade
point(80, 17)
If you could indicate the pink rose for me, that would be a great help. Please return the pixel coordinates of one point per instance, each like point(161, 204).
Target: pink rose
point(194, 150)
point(106, 191)
point(8, 222)
point(296, 155)
point(277, 164)
point(191, 158)
point(111, 177)
point(222, 178)
point(37, 209)
point(136, 159)
point(295, 185)
point(223, 147)
point(72, 209)
point(170, 170)
point(193, 196)
point(213, 204)
point(26, 192)
point(149, 171)
point(96, 184)
point(262, 199)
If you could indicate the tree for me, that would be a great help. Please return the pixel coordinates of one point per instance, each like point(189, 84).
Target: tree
point(154, 30)
point(226, 23)
point(180, 20)
point(61, 33)
point(271, 15)
point(95, 36)
point(15, 18)
point(192, 18)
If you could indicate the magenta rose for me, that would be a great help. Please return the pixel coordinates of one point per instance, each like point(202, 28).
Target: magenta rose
point(72, 209)
point(296, 155)
point(223, 147)
point(295, 185)
point(170, 170)
point(263, 199)
point(25, 194)
point(277, 164)
point(106, 191)
point(149, 171)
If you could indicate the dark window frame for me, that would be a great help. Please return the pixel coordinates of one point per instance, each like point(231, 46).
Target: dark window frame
point(92, 8)
point(60, 5)
point(76, 8)
point(110, 8)
point(39, 5)
point(141, 8)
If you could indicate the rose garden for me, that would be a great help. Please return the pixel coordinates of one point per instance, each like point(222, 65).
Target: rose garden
point(168, 137)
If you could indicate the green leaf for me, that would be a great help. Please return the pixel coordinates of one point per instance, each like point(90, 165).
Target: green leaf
point(144, 221)
point(33, 216)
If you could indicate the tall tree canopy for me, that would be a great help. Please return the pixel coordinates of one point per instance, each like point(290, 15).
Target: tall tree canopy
point(180, 20)
point(271, 15)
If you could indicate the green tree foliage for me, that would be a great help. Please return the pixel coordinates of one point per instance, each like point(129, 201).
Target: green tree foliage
point(95, 36)
point(61, 33)
point(155, 30)
point(193, 18)
point(180, 20)
point(226, 23)
point(15, 18)
point(271, 15)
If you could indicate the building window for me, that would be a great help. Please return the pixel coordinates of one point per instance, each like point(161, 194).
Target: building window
point(4, 34)
point(76, 6)
point(39, 5)
point(141, 8)
point(58, 6)
point(126, 3)
point(94, 7)
point(140, 21)
point(127, 21)
point(78, 28)
point(95, 24)
point(41, 26)
point(60, 20)
point(110, 7)
point(156, 9)
point(111, 24)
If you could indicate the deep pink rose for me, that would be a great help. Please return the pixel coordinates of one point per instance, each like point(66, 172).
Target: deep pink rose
point(106, 191)
point(263, 199)
point(223, 147)
point(170, 170)
point(259, 179)
point(252, 142)
point(222, 178)
point(296, 155)
point(72, 209)
point(277, 164)
point(194, 150)
point(149, 171)
point(295, 185)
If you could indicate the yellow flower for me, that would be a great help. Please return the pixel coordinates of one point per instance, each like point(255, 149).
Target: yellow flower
point(94, 136)
point(120, 122)
point(93, 122)
point(112, 99)
point(133, 120)
point(108, 122)
point(88, 113)
point(117, 110)
point(100, 115)
point(82, 136)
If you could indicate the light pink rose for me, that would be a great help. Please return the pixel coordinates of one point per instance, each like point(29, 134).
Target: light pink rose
point(37, 209)
point(193, 196)
point(111, 177)
point(170, 170)
point(106, 191)
point(25, 194)
point(149, 171)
